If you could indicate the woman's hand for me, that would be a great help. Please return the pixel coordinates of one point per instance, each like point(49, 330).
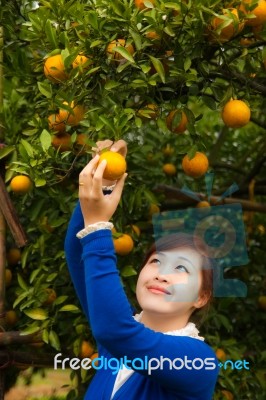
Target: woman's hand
point(96, 206)
point(119, 147)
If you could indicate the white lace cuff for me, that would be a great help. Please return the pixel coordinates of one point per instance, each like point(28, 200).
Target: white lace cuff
point(94, 227)
point(109, 188)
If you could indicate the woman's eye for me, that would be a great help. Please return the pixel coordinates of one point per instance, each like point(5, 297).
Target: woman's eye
point(181, 268)
point(155, 260)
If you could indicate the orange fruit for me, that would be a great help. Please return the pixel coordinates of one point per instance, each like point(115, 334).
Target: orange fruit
point(110, 49)
point(13, 256)
point(220, 354)
point(81, 143)
point(182, 126)
point(11, 318)
point(259, 12)
point(21, 184)
point(246, 41)
point(169, 169)
point(168, 150)
point(150, 111)
point(257, 31)
point(228, 31)
point(54, 69)
point(228, 395)
point(86, 349)
point(93, 356)
point(116, 165)
point(153, 35)
point(51, 296)
point(79, 61)
point(154, 209)
point(8, 277)
point(236, 114)
point(196, 166)
point(262, 302)
point(62, 142)
point(123, 245)
point(71, 118)
point(136, 229)
point(55, 124)
point(140, 4)
point(202, 204)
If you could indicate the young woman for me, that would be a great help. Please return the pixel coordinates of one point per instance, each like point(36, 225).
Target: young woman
point(163, 355)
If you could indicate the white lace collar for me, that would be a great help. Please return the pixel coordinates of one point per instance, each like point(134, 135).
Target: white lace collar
point(189, 330)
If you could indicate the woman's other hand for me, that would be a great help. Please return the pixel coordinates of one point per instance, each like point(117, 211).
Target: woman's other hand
point(96, 206)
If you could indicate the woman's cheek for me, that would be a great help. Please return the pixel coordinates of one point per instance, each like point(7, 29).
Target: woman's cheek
point(185, 291)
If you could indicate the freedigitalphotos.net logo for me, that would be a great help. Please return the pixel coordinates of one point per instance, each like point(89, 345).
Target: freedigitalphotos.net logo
point(137, 364)
point(220, 228)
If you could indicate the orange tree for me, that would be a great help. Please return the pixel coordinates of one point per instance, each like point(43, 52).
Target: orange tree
point(160, 75)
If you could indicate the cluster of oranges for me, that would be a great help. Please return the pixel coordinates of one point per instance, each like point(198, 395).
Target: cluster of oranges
point(232, 21)
point(71, 113)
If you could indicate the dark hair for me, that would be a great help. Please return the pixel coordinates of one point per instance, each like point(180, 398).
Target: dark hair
point(179, 240)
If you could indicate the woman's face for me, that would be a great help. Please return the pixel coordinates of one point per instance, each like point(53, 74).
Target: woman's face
point(170, 282)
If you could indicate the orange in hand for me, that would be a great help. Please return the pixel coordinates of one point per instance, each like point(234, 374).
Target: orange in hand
point(116, 165)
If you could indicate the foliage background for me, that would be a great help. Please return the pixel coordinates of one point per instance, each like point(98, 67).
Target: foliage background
point(199, 77)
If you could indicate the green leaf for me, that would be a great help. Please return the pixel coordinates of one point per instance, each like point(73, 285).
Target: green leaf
point(22, 283)
point(118, 7)
point(128, 270)
point(6, 150)
point(124, 53)
point(136, 37)
point(60, 300)
point(54, 340)
point(51, 34)
point(20, 298)
point(33, 328)
point(45, 89)
point(192, 151)
point(92, 19)
point(51, 277)
point(39, 182)
point(45, 139)
point(111, 85)
point(34, 274)
point(37, 314)
point(45, 336)
point(107, 122)
point(209, 101)
point(158, 67)
point(187, 64)
point(27, 147)
point(69, 307)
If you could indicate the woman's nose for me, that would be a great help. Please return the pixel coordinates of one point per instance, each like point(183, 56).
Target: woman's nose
point(161, 278)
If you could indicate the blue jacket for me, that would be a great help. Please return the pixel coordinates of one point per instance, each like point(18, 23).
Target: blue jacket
point(92, 266)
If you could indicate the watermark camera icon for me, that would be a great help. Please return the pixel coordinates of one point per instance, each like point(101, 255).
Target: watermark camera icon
point(221, 228)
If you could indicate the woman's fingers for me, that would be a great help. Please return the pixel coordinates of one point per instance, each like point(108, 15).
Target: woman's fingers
point(86, 175)
point(120, 147)
point(97, 180)
point(117, 192)
point(101, 144)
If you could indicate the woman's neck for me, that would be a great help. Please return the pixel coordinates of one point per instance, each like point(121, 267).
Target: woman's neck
point(162, 322)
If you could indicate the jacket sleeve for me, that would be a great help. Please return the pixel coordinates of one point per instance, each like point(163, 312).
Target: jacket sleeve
point(115, 329)
point(73, 252)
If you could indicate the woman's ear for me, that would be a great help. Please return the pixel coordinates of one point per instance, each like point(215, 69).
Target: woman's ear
point(202, 300)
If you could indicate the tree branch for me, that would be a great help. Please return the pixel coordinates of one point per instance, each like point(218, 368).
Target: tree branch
point(11, 217)
point(175, 193)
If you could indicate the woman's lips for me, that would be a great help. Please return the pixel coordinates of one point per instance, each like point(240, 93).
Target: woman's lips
point(157, 290)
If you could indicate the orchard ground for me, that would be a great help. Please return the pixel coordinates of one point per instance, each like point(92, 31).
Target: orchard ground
point(49, 385)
